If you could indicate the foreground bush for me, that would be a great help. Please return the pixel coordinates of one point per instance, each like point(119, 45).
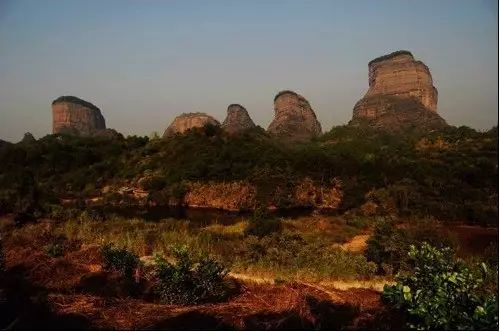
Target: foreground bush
point(120, 260)
point(440, 292)
point(190, 281)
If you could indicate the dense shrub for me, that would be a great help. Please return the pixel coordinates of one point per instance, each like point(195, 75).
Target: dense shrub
point(153, 182)
point(190, 281)
point(120, 260)
point(389, 244)
point(261, 224)
point(55, 249)
point(291, 254)
point(440, 292)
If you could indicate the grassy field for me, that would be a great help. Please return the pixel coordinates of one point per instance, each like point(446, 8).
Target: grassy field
point(306, 248)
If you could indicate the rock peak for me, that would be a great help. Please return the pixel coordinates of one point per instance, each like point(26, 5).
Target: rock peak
point(401, 53)
point(72, 115)
point(294, 119)
point(75, 100)
point(187, 121)
point(400, 94)
point(237, 119)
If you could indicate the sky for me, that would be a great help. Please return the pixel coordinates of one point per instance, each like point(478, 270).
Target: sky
point(144, 62)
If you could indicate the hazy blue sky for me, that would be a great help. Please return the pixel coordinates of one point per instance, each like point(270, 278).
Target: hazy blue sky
point(143, 62)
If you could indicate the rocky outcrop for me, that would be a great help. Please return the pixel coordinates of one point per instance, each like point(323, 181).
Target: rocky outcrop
point(237, 120)
point(187, 121)
point(230, 196)
point(72, 115)
point(309, 194)
point(294, 118)
point(401, 94)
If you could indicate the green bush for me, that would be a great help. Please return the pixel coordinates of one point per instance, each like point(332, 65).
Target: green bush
point(190, 281)
point(55, 249)
point(153, 183)
point(120, 260)
point(439, 292)
point(261, 225)
point(388, 246)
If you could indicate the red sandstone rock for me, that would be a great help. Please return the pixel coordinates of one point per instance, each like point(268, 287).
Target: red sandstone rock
point(72, 115)
point(294, 118)
point(401, 94)
point(188, 121)
point(237, 120)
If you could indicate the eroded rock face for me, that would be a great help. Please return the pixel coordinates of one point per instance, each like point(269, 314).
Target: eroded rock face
point(294, 118)
point(72, 115)
point(237, 120)
point(231, 196)
point(401, 93)
point(395, 114)
point(187, 121)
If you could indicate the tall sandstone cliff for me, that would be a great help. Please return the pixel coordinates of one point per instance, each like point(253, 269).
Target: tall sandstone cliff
point(187, 121)
point(237, 120)
point(401, 95)
point(294, 119)
point(72, 115)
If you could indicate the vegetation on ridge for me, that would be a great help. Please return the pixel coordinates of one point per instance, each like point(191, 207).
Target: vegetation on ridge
point(448, 174)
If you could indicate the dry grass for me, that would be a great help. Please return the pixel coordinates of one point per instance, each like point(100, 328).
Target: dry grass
point(322, 228)
point(256, 307)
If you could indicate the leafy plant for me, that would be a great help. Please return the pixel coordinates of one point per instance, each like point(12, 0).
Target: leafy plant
point(190, 281)
point(55, 249)
point(120, 260)
point(261, 225)
point(440, 292)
